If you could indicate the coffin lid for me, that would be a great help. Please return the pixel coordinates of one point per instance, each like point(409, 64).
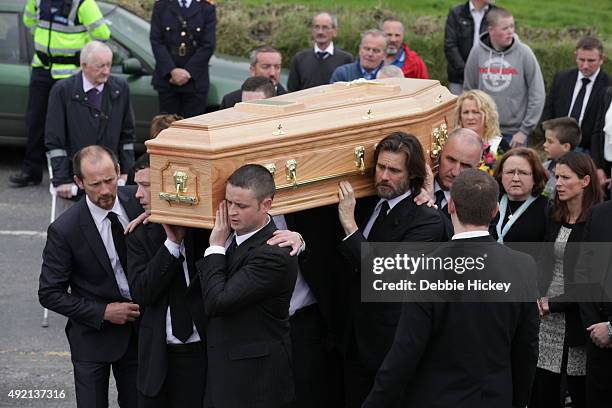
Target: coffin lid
point(312, 113)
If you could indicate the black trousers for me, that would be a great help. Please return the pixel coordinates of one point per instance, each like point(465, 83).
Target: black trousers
point(185, 104)
point(549, 390)
point(185, 379)
point(313, 363)
point(599, 377)
point(38, 97)
point(91, 380)
point(358, 379)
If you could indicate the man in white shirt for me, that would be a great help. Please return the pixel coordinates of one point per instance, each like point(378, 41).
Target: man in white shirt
point(83, 277)
point(578, 92)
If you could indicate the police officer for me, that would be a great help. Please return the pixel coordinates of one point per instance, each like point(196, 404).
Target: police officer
point(60, 28)
point(183, 40)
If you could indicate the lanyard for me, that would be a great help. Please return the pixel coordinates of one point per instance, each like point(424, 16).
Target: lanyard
point(503, 206)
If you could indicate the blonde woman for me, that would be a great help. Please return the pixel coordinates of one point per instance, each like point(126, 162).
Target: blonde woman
point(476, 110)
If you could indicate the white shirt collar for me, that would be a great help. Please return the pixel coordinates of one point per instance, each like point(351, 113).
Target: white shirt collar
point(394, 201)
point(88, 85)
point(187, 3)
point(438, 187)
point(329, 49)
point(241, 238)
point(470, 234)
point(99, 214)
point(592, 77)
point(473, 8)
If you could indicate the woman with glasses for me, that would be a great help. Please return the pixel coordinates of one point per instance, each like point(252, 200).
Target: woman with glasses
point(522, 208)
point(562, 336)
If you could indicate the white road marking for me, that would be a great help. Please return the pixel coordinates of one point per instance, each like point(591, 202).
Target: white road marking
point(24, 233)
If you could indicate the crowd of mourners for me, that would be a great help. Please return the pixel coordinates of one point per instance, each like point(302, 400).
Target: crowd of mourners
point(265, 311)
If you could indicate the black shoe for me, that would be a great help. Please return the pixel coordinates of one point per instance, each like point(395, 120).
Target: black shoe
point(23, 180)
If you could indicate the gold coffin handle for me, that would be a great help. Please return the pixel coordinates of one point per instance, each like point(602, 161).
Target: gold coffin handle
point(291, 172)
point(360, 158)
point(179, 195)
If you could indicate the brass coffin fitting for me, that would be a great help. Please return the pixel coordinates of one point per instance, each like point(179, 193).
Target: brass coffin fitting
point(438, 99)
point(368, 115)
point(279, 130)
point(291, 172)
point(360, 158)
point(271, 167)
point(439, 135)
point(179, 196)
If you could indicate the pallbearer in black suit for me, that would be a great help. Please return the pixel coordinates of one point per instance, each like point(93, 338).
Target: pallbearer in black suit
point(465, 355)
point(462, 150)
point(163, 280)
point(578, 92)
point(183, 36)
point(391, 216)
point(246, 288)
point(86, 253)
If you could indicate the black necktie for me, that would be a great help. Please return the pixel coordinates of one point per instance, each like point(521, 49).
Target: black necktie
point(118, 239)
point(184, 3)
point(322, 54)
point(182, 326)
point(439, 198)
point(577, 108)
point(232, 247)
point(94, 97)
point(376, 229)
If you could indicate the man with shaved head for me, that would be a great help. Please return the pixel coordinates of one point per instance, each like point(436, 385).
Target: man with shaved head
point(398, 53)
point(314, 66)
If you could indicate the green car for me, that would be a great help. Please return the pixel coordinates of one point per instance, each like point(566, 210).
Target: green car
point(132, 59)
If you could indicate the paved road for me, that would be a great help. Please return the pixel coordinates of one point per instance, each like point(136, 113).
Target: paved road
point(31, 357)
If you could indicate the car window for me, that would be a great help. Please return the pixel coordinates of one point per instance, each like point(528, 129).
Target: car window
point(120, 53)
point(9, 38)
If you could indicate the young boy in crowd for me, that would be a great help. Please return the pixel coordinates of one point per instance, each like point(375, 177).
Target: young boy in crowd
point(562, 136)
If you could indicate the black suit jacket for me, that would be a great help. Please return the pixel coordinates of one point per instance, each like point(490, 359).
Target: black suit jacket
point(594, 266)
point(246, 298)
point(374, 323)
point(560, 98)
point(232, 98)
point(472, 355)
point(151, 269)
point(597, 143)
point(75, 257)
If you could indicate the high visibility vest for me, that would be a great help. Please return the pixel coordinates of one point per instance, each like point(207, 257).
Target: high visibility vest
point(60, 29)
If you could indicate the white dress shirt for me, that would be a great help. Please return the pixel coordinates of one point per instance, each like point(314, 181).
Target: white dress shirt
point(302, 296)
point(446, 198)
point(103, 225)
point(88, 85)
point(608, 134)
point(176, 251)
point(329, 49)
point(587, 94)
point(477, 15)
point(470, 234)
point(392, 203)
point(187, 3)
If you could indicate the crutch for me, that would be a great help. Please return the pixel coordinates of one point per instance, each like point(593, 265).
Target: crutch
point(45, 320)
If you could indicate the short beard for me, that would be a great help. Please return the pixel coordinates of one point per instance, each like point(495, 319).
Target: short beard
point(395, 192)
point(392, 50)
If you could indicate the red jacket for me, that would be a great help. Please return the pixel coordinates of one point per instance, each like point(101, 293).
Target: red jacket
point(413, 66)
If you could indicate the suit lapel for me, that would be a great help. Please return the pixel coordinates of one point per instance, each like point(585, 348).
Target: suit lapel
point(399, 213)
point(243, 249)
point(92, 236)
point(128, 201)
point(599, 83)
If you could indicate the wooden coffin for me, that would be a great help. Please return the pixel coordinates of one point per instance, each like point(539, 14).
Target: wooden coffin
point(309, 140)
